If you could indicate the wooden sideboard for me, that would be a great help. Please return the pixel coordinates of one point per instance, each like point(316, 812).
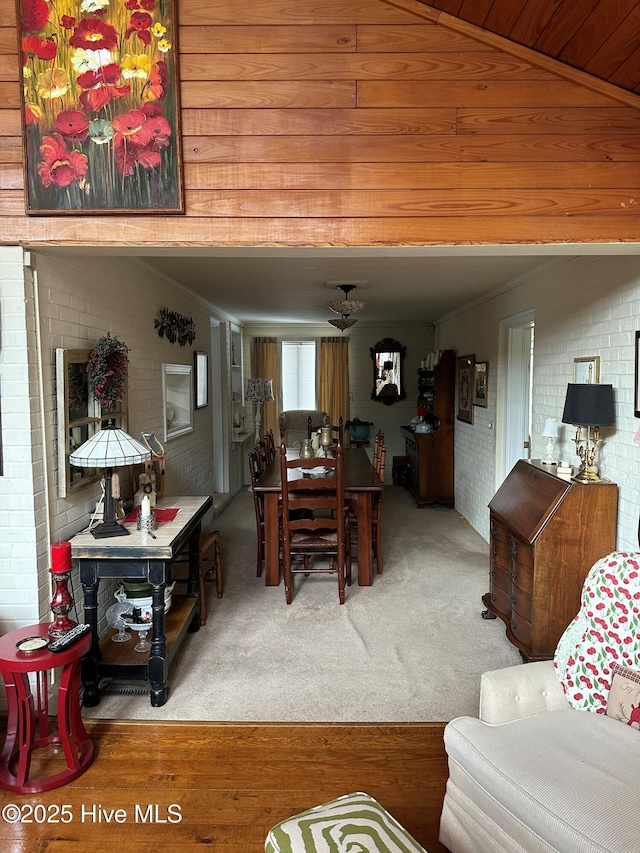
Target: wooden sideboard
point(546, 533)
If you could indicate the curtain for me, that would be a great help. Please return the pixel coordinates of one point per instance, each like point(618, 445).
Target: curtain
point(334, 379)
point(264, 365)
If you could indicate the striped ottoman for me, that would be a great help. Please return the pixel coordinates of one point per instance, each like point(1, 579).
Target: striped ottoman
point(355, 823)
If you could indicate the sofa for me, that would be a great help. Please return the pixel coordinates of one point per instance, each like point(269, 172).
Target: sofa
point(553, 762)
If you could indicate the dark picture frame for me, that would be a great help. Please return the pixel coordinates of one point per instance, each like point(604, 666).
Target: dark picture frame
point(200, 380)
point(636, 394)
point(465, 380)
point(481, 384)
point(100, 108)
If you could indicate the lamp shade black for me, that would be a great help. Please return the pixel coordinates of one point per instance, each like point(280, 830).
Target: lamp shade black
point(589, 405)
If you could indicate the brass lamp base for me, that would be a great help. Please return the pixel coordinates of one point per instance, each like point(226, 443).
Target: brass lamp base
point(587, 474)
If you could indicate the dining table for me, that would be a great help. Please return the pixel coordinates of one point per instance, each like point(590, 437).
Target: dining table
point(361, 485)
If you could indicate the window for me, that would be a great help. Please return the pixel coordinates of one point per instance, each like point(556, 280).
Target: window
point(298, 375)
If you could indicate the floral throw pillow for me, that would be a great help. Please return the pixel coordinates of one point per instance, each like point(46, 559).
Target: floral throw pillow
point(624, 697)
point(606, 630)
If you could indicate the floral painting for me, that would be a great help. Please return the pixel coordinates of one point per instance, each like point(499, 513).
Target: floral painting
point(100, 99)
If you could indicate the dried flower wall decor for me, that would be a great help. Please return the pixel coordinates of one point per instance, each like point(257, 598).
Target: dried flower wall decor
point(175, 327)
point(100, 101)
point(107, 371)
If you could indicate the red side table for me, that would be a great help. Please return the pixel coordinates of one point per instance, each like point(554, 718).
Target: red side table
point(27, 724)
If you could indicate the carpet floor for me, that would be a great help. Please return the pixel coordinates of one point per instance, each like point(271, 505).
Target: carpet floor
point(410, 648)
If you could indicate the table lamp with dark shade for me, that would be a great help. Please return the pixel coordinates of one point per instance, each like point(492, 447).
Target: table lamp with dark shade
point(109, 448)
point(588, 406)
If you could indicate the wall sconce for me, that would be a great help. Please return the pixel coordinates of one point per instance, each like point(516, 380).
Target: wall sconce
point(588, 407)
point(550, 432)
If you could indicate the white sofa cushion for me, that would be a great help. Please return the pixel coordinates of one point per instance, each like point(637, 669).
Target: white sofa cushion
point(570, 777)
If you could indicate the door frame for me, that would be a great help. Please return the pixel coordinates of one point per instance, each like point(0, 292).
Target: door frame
point(514, 391)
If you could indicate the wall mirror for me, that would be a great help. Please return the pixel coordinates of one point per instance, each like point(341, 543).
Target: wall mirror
point(79, 417)
point(177, 399)
point(388, 357)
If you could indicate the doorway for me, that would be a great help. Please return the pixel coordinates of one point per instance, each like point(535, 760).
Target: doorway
point(220, 450)
point(517, 346)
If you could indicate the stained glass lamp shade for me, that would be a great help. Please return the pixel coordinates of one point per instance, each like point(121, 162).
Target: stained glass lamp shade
point(109, 448)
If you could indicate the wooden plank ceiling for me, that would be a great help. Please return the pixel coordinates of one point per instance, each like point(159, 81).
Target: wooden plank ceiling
point(600, 37)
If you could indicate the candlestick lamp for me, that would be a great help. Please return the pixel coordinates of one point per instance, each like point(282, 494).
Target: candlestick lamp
point(62, 601)
point(588, 406)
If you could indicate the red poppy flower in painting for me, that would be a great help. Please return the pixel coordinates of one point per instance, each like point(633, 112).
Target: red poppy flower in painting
point(149, 5)
point(68, 22)
point(131, 128)
point(34, 46)
point(59, 165)
point(35, 15)
point(160, 131)
point(93, 34)
point(72, 124)
point(140, 24)
point(101, 87)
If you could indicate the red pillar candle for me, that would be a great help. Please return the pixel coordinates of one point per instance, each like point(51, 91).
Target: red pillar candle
point(61, 557)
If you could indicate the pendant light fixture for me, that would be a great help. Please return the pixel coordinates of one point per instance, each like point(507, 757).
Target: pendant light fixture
point(345, 307)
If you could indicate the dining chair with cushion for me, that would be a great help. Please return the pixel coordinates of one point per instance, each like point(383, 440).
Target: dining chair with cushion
point(313, 519)
point(294, 424)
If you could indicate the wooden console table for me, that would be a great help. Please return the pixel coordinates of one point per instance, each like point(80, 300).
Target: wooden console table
point(142, 556)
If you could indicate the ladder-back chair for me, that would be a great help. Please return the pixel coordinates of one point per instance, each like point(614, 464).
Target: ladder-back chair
point(313, 519)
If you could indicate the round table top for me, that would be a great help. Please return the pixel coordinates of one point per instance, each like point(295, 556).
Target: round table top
point(13, 660)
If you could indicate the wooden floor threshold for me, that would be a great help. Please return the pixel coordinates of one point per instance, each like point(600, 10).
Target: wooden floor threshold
point(221, 786)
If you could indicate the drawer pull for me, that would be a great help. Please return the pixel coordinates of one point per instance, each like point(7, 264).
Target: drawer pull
point(513, 624)
point(513, 599)
point(492, 573)
point(513, 550)
point(514, 573)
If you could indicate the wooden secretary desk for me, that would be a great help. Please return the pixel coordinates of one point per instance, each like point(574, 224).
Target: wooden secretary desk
point(546, 533)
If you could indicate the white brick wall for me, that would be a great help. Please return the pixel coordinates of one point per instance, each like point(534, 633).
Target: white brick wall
point(583, 306)
point(21, 480)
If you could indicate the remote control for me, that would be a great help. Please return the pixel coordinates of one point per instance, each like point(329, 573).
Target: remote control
point(72, 635)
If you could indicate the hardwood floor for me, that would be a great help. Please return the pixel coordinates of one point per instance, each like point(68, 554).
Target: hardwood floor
point(225, 785)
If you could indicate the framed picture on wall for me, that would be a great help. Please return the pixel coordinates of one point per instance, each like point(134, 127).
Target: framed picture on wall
point(586, 371)
point(481, 382)
point(465, 384)
point(101, 112)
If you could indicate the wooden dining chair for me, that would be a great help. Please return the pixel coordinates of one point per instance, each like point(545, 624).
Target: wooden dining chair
point(376, 533)
point(270, 443)
point(255, 472)
point(378, 443)
point(209, 567)
point(313, 519)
